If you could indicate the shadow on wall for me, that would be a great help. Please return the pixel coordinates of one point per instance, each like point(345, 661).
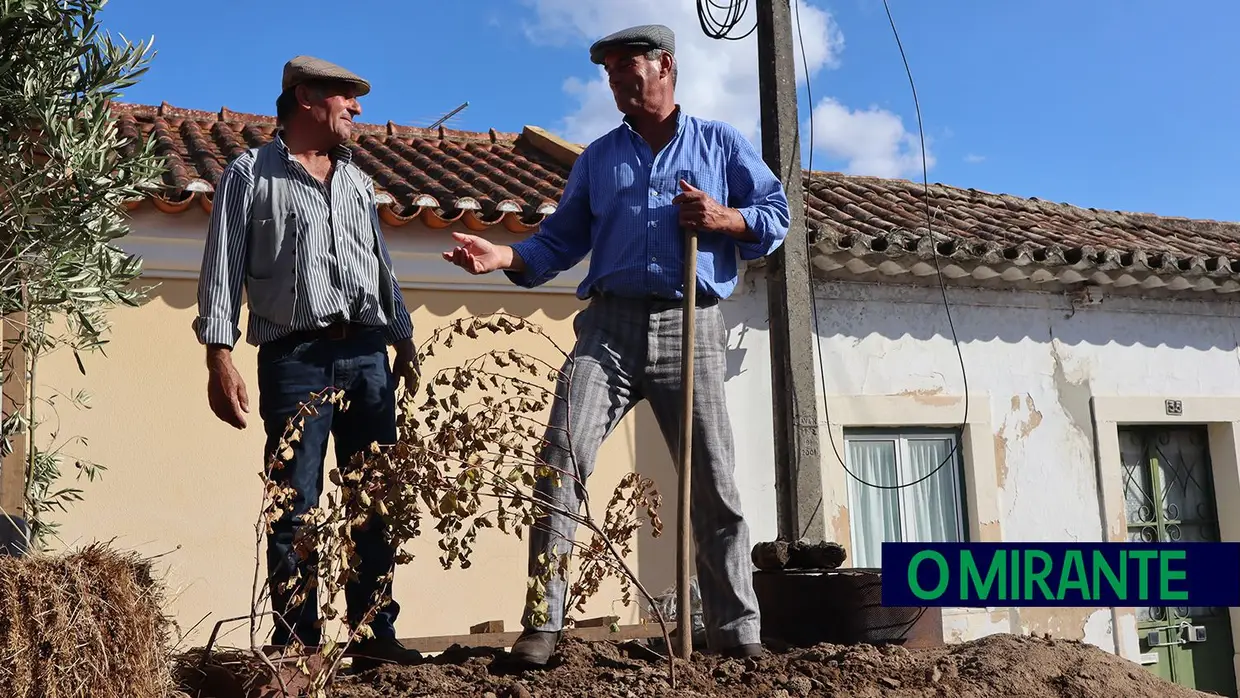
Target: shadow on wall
point(893, 312)
point(437, 303)
point(656, 557)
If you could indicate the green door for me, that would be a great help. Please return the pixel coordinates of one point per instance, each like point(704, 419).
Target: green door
point(1169, 496)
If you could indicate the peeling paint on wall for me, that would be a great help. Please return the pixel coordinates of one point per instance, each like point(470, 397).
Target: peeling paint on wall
point(922, 392)
point(840, 525)
point(1073, 393)
point(1035, 417)
point(1041, 373)
point(1091, 625)
point(1001, 466)
point(931, 396)
point(1130, 643)
point(1062, 623)
point(1020, 421)
point(963, 625)
point(1032, 418)
point(1099, 631)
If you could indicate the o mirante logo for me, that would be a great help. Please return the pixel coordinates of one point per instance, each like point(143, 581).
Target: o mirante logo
point(1061, 574)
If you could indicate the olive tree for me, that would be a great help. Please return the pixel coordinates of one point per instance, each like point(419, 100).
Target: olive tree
point(65, 175)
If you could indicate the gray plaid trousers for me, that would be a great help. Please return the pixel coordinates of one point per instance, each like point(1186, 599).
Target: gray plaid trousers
point(626, 351)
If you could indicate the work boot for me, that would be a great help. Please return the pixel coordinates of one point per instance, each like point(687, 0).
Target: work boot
point(746, 651)
point(534, 647)
point(374, 652)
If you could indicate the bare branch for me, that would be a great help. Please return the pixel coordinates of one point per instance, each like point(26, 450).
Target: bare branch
point(462, 469)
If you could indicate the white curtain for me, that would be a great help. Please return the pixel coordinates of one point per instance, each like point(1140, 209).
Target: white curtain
point(926, 512)
point(933, 508)
point(874, 513)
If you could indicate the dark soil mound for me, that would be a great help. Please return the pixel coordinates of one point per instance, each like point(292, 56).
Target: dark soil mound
point(998, 666)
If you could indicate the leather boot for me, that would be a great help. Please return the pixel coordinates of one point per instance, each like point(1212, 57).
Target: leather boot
point(374, 652)
point(534, 647)
point(742, 651)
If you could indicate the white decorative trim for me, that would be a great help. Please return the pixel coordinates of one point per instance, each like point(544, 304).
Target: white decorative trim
point(846, 266)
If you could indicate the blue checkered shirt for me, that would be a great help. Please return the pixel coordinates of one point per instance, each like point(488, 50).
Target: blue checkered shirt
point(617, 207)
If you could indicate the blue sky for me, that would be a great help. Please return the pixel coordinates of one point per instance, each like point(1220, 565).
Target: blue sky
point(1116, 104)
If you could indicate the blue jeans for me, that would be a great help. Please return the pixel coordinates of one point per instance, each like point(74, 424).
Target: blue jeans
point(288, 371)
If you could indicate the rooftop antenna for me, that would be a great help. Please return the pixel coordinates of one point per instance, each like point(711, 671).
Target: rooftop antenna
point(449, 115)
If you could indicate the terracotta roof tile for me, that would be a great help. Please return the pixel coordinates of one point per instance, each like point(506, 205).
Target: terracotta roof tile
point(868, 216)
point(438, 176)
point(444, 177)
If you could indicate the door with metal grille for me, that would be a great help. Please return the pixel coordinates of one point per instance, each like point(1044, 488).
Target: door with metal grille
point(1169, 497)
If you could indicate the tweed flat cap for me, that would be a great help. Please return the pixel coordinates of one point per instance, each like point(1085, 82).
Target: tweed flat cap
point(646, 36)
point(305, 68)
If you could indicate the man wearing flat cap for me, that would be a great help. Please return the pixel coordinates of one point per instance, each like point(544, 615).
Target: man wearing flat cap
point(629, 198)
point(295, 224)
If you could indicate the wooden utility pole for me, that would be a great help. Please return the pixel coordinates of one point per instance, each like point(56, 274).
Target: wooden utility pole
point(798, 461)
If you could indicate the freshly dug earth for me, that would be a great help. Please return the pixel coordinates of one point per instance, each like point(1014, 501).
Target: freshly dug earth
point(997, 666)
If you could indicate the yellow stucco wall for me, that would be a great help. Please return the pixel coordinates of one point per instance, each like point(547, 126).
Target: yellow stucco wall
point(182, 484)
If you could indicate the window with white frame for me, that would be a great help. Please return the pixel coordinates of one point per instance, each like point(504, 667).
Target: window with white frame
point(931, 511)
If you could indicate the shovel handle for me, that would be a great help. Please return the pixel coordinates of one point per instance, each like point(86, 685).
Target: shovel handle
point(684, 613)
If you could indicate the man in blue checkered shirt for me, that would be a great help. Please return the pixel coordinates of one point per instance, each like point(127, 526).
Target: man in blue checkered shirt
point(629, 198)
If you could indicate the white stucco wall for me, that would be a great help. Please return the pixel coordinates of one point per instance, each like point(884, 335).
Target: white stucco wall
point(749, 405)
point(1032, 365)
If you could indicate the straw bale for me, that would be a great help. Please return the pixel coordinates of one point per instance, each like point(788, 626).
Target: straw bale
point(84, 623)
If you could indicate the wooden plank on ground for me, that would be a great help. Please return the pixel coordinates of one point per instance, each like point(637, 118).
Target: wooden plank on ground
point(491, 626)
point(440, 643)
point(600, 622)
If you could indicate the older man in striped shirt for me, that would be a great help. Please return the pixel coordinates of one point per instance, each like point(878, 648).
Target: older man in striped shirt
point(629, 197)
point(295, 223)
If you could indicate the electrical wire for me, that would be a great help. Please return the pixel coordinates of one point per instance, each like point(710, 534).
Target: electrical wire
point(716, 28)
point(933, 246)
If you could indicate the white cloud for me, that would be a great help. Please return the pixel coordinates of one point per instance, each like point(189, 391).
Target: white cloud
point(719, 78)
point(870, 142)
point(974, 159)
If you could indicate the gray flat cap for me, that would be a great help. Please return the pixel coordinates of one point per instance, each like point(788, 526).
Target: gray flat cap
point(305, 68)
point(646, 36)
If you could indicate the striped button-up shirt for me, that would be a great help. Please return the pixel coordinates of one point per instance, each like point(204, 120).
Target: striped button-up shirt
point(338, 271)
point(617, 207)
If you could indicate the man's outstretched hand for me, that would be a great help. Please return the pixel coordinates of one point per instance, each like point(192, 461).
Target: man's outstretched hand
point(479, 256)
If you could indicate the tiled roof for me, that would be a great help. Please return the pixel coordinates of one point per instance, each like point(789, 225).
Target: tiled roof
point(440, 177)
point(443, 178)
point(868, 217)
